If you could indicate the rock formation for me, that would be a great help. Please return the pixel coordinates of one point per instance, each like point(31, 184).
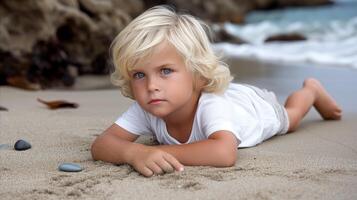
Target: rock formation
point(54, 36)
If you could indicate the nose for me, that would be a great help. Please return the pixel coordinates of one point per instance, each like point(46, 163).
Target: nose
point(153, 84)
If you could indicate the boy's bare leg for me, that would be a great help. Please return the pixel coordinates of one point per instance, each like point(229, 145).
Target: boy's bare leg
point(311, 94)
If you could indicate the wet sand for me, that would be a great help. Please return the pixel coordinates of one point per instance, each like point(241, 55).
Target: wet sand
point(319, 161)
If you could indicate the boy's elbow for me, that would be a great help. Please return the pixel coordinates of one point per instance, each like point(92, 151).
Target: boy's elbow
point(230, 161)
point(94, 150)
point(226, 149)
point(228, 157)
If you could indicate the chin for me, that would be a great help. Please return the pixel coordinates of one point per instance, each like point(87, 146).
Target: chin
point(159, 114)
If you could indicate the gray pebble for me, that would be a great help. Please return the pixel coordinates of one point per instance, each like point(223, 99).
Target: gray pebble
point(22, 145)
point(70, 167)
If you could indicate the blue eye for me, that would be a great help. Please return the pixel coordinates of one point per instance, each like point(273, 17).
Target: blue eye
point(166, 71)
point(138, 75)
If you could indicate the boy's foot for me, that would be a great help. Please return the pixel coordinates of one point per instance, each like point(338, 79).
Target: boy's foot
point(324, 103)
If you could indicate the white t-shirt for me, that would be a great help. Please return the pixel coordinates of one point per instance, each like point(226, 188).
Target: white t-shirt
point(239, 110)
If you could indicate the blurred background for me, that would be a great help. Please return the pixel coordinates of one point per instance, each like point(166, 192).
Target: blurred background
point(50, 43)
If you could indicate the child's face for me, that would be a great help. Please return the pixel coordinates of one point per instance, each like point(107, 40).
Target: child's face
point(162, 85)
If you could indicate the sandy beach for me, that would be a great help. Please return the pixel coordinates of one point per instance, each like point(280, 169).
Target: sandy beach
point(319, 161)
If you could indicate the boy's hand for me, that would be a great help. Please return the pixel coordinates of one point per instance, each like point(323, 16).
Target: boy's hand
point(149, 160)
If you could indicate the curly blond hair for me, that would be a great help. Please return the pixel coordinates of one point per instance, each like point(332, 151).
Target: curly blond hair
point(187, 34)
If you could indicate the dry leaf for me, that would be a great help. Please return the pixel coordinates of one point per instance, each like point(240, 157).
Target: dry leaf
point(3, 108)
point(22, 82)
point(58, 104)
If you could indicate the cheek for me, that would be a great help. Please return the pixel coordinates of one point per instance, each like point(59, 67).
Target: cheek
point(184, 85)
point(188, 81)
point(136, 90)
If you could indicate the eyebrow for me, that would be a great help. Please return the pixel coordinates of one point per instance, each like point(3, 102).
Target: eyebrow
point(157, 67)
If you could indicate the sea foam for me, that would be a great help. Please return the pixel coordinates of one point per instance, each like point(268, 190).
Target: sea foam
point(331, 41)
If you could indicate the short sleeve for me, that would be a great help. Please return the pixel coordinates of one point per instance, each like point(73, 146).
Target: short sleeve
point(215, 114)
point(135, 120)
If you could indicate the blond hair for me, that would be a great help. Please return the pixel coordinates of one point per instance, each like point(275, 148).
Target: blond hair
point(186, 33)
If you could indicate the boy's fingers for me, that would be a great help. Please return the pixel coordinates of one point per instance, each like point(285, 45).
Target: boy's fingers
point(164, 165)
point(146, 171)
point(155, 168)
point(174, 162)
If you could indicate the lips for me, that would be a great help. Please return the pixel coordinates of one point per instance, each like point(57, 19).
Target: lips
point(155, 101)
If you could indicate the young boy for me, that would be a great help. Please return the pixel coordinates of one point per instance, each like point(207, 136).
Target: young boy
point(184, 97)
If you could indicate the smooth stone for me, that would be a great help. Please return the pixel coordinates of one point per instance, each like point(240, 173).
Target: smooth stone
point(70, 167)
point(22, 145)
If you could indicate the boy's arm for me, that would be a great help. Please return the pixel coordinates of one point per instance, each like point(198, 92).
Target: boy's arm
point(112, 145)
point(219, 150)
point(116, 145)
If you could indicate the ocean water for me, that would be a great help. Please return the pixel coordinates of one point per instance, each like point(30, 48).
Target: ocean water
point(331, 33)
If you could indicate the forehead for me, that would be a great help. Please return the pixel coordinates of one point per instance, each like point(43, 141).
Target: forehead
point(162, 54)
